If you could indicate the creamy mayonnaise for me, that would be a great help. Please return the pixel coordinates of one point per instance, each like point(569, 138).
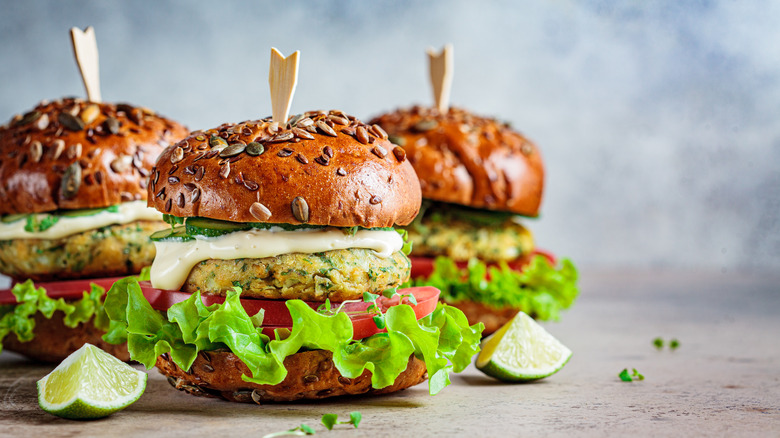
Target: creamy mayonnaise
point(175, 259)
point(67, 226)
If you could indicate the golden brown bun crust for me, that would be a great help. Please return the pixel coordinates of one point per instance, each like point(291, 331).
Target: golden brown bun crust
point(494, 318)
point(465, 159)
point(63, 155)
point(53, 341)
point(321, 168)
point(310, 375)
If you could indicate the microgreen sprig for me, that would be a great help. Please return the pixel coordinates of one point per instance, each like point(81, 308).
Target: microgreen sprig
point(301, 430)
point(634, 375)
point(329, 420)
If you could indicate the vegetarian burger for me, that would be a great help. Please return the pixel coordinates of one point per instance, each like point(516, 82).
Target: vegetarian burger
point(73, 184)
point(478, 178)
point(279, 277)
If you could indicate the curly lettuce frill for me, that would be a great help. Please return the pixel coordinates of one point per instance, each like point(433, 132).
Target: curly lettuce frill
point(19, 318)
point(539, 289)
point(443, 339)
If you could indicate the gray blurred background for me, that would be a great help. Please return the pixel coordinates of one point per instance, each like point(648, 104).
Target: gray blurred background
point(658, 121)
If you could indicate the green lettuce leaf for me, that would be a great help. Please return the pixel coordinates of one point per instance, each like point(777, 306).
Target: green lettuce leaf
point(444, 340)
point(540, 290)
point(19, 318)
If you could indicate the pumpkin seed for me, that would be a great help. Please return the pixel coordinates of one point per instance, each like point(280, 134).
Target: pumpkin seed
point(254, 149)
point(71, 181)
point(232, 150)
point(70, 121)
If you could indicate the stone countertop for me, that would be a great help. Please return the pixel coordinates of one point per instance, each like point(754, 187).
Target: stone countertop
point(724, 379)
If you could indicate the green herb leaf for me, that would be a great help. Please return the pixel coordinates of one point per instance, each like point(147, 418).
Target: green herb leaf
point(540, 290)
point(329, 420)
point(355, 417)
point(658, 343)
point(444, 340)
point(674, 344)
point(624, 376)
point(636, 374)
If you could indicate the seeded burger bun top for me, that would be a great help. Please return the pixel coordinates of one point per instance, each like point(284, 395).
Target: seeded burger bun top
point(321, 168)
point(74, 154)
point(462, 158)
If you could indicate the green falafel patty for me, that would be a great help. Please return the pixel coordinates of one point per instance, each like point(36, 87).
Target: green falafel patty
point(461, 239)
point(108, 251)
point(337, 275)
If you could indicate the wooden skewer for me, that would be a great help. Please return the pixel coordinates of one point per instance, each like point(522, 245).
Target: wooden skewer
point(441, 76)
point(283, 77)
point(85, 49)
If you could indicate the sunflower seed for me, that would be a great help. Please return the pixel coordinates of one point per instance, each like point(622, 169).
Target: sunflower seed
point(304, 122)
point(168, 205)
point(361, 134)
point(99, 177)
point(286, 152)
point(36, 151)
point(311, 378)
point(172, 381)
point(348, 131)
point(71, 181)
point(70, 121)
point(282, 136)
point(195, 195)
point(375, 200)
point(112, 125)
point(125, 108)
point(323, 160)
point(302, 159)
point(189, 170)
point(161, 194)
point(225, 171)
point(260, 211)
point(74, 151)
point(232, 150)
point(294, 120)
point(254, 149)
point(173, 180)
point(526, 149)
point(424, 125)
point(121, 164)
point(400, 153)
point(341, 172)
point(251, 185)
point(177, 155)
point(379, 151)
point(300, 133)
point(90, 113)
point(42, 122)
point(199, 174)
point(273, 128)
point(300, 209)
point(257, 395)
point(344, 381)
point(200, 138)
point(327, 130)
point(338, 119)
point(378, 131)
point(208, 368)
point(137, 117)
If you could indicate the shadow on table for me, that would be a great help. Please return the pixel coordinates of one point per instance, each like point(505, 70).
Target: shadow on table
point(489, 381)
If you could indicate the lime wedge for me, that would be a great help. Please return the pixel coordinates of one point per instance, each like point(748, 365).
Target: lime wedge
point(90, 383)
point(521, 351)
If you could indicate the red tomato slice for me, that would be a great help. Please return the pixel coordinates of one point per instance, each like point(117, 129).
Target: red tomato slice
point(277, 315)
point(67, 289)
point(423, 266)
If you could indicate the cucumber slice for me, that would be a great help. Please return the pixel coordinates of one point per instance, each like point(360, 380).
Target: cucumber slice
point(88, 211)
point(178, 233)
point(13, 217)
point(212, 227)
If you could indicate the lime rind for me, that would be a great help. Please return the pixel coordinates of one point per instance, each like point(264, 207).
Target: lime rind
point(90, 383)
point(522, 351)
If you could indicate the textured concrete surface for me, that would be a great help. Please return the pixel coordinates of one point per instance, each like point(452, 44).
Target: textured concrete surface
point(724, 380)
